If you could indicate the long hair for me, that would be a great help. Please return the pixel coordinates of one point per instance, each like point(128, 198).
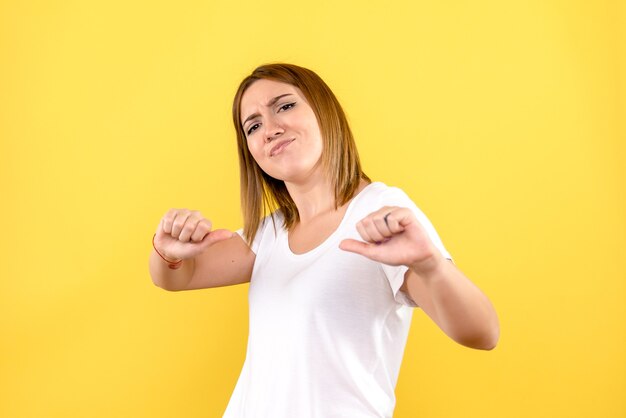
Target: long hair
point(262, 194)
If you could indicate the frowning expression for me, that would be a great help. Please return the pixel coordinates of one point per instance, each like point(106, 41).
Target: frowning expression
point(282, 132)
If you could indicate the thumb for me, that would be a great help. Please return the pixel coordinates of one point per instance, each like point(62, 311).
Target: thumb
point(354, 246)
point(216, 236)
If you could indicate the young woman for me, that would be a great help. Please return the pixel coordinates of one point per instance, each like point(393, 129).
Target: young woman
point(335, 262)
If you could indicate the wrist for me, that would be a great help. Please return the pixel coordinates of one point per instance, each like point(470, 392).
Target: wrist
point(428, 267)
point(171, 262)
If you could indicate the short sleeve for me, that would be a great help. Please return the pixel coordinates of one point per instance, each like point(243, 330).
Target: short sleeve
point(256, 243)
point(257, 239)
point(394, 196)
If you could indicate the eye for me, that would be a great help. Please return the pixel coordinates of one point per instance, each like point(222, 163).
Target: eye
point(287, 106)
point(252, 128)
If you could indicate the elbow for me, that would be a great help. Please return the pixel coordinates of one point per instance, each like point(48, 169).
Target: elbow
point(493, 335)
point(486, 340)
point(489, 343)
point(487, 337)
point(171, 289)
point(490, 339)
point(164, 286)
point(486, 343)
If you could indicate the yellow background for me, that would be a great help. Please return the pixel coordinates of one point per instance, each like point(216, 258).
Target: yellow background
point(504, 121)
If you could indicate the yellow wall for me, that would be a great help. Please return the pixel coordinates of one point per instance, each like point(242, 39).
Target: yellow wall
point(503, 120)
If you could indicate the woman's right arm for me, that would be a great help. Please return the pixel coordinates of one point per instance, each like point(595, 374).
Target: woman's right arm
point(210, 258)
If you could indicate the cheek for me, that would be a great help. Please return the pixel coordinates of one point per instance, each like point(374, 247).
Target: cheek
point(315, 131)
point(254, 149)
point(319, 141)
point(259, 156)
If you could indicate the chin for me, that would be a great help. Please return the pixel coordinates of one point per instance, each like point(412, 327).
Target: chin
point(284, 175)
point(276, 175)
point(289, 173)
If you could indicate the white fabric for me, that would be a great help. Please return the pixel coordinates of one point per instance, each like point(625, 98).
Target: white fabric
point(328, 328)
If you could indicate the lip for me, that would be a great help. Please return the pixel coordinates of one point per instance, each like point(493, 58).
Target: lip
point(278, 148)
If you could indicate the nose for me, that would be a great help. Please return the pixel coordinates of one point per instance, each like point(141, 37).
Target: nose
point(272, 130)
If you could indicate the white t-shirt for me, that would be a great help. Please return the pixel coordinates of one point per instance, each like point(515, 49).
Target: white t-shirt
point(328, 327)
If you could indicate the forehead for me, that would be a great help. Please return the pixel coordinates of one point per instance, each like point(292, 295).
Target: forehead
point(262, 91)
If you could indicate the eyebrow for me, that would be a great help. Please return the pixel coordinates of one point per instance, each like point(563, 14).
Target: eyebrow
point(270, 103)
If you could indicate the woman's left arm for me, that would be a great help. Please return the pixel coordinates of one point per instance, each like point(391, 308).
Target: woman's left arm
point(393, 236)
point(454, 303)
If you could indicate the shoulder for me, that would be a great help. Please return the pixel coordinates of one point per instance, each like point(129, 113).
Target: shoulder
point(269, 228)
point(379, 193)
point(375, 196)
point(382, 195)
point(274, 221)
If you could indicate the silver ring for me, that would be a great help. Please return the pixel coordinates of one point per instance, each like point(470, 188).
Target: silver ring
point(385, 219)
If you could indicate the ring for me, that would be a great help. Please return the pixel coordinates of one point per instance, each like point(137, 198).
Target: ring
point(385, 219)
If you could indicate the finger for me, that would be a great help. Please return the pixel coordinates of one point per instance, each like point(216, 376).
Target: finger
point(354, 246)
point(179, 222)
point(218, 235)
point(159, 230)
point(363, 232)
point(392, 222)
point(404, 217)
point(167, 219)
point(382, 226)
point(190, 226)
point(202, 228)
point(188, 229)
point(371, 229)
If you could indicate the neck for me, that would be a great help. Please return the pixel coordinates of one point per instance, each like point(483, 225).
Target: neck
point(316, 197)
point(313, 197)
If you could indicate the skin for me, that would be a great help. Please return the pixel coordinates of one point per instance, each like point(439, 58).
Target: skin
point(299, 164)
point(275, 113)
point(441, 290)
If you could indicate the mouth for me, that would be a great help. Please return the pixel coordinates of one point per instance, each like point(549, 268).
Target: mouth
point(278, 148)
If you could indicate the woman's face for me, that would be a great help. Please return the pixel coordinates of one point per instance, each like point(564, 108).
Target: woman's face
point(282, 131)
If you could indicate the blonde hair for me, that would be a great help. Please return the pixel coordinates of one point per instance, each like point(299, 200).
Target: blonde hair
point(262, 194)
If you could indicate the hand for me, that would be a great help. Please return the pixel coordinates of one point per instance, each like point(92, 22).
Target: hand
point(184, 233)
point(393, 236)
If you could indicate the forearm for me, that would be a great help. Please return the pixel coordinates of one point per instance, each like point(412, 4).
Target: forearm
point(169, 279)
point(461, 310)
